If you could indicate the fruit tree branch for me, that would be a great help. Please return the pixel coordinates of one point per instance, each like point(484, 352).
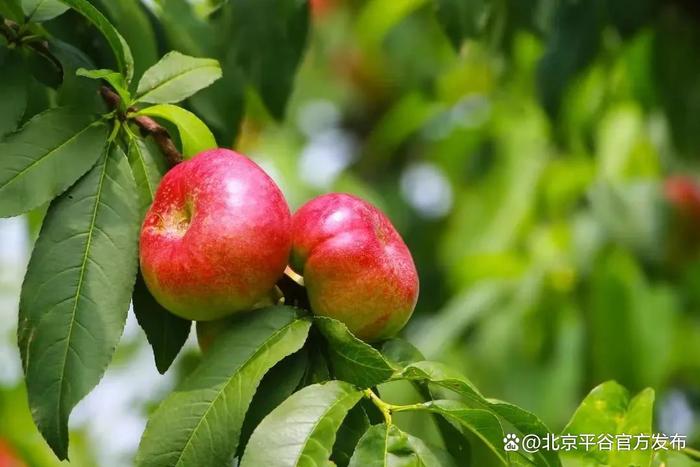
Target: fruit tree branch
point(147, 125)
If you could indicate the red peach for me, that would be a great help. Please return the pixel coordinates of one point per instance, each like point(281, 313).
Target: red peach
point(356, 267)
point(216, 238)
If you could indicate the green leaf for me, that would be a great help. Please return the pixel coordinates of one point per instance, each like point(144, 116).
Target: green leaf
point(401, 352)
point(76, 91)
point(279, 27)
point(12, 9)
point(165, 332)
point(522, 420)
point(176, 77)
point(185, 29)
point(526, 423)
point(122, 52)
point(277, 385)
point(317, 368)
point(13, 93)
point(222, 105)
point(200, 422)
point(76, 292)
point(194, 134)
point(442, 375)
point(43, 66)
point(608, 409)
point(148, 167)
point(131, 19)
point(430, 455)
point(460, 18)
point(115, 79)
point(355, 425)
point(301, 430)
point(383, 446)
point(483, 424)
point(353, 360)
point(37, 11)
point(638, 419)
point(46, 156)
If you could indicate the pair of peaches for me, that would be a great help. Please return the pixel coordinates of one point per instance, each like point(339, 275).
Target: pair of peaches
point(219, 235)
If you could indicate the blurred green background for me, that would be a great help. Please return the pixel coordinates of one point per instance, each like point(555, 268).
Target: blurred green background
point(539, 158)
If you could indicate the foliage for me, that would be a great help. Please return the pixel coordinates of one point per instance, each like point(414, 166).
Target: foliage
point(559, 262)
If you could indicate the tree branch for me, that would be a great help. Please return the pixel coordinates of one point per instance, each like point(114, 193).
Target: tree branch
point(147, 125)
point(161, 137)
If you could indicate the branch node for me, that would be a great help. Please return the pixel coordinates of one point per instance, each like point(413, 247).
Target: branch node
point(147, 125)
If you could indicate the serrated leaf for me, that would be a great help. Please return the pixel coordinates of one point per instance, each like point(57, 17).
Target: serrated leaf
point(355, 425)
point(301, 431)
point(176, 77)
point(383, 446)
point(115, 79)
point(148, 167)
point(277, 385)
point(279, 27)
point(76, 293)
point(46, 156)
point(200, 422)
point(353, 360)
point(122, 52)
point(37, 11)
point(524, 421)
point(165, 332)
point(481, 423)
point(13, 94)
point(194, 134)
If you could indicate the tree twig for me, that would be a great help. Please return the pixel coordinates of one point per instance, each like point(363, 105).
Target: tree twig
point(161, 137)
point(147, 125)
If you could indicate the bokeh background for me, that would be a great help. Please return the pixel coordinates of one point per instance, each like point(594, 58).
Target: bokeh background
point(540, 160)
